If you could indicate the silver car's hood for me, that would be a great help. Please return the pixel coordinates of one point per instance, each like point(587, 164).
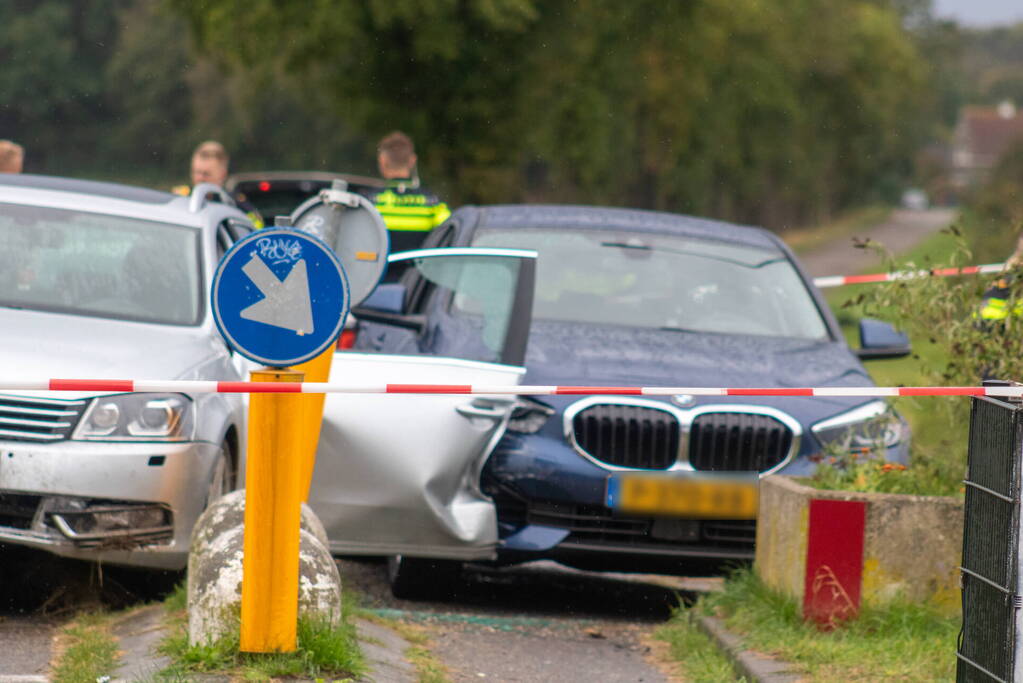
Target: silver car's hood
point(42, 345)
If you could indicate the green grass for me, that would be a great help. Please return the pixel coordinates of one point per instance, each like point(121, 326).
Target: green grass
point(177, 601)
point(89, 650)
point(899, 642)
point(324, 651)
point(696, 654)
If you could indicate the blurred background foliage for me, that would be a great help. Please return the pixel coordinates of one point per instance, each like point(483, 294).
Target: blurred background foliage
point(776, 113)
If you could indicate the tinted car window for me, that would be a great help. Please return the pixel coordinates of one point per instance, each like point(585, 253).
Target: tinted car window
point(99, 265)
point(663, 282)
point(476, 297)
point(278, 202)
point(483, 289)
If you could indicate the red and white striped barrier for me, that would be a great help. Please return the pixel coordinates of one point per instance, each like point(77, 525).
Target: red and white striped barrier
point(839, 280)
point(207, 387)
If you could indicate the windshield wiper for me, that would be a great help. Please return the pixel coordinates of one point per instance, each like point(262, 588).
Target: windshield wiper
point(628, 245)
point(682, 252)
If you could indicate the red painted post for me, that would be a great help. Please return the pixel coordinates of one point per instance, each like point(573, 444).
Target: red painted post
point(834, 561)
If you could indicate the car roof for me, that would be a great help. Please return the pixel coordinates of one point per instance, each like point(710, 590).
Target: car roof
point(110, 198)
point(90, 187)
point(605, 218)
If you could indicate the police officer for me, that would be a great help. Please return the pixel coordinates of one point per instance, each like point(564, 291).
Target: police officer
point(995, 306)
point(408, 210)
point(209, 165)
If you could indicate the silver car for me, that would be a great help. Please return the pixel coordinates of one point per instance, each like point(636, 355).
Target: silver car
point(399, 475)
point(107, 281)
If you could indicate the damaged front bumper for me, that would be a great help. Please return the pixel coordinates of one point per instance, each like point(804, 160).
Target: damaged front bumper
point(130, 504)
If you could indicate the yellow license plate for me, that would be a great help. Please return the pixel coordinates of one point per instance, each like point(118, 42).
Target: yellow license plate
point(698, 496)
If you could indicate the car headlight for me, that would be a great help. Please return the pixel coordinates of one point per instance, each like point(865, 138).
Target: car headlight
point(529, 416)
point(870, 426)
point(138, 417)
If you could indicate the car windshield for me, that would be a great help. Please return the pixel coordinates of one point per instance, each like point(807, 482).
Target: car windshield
point(99, 265)
point(663, 282)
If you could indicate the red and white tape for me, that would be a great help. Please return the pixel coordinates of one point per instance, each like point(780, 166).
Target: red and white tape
point(839, 280)
point(206, 387)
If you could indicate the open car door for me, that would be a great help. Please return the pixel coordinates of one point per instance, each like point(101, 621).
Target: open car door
point(398, 474)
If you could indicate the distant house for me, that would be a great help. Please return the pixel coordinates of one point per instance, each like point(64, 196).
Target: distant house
point(981, 137)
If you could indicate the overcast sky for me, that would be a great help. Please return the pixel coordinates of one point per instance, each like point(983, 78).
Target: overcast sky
point(980, 12)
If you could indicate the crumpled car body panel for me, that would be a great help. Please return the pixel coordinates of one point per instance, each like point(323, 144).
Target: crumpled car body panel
point(400, 474)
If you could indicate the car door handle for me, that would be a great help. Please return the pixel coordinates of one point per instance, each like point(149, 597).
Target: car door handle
point(482, 408)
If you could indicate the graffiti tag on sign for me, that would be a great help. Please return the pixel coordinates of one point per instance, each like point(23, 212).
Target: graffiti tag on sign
point(276, 250)
point(314, 224)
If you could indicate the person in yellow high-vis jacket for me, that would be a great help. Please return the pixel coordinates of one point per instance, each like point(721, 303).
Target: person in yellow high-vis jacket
point(408, 210)
point(995, 306)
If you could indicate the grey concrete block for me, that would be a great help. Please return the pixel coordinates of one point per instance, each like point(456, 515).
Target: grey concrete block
point(911, 545)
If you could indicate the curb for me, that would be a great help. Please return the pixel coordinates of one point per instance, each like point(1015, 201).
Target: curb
point(755, 667)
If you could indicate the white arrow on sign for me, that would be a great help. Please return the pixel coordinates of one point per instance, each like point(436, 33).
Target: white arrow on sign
point(285, 304)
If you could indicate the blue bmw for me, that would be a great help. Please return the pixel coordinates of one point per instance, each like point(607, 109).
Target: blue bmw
point(639, 298)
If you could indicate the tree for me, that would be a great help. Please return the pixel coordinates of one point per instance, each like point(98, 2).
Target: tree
point(52, 79)
point(698, 106)
point(445, 71)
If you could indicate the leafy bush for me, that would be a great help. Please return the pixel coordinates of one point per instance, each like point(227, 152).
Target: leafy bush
point(953, 346)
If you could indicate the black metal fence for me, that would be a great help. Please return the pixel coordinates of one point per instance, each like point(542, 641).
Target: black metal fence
point(990, 569)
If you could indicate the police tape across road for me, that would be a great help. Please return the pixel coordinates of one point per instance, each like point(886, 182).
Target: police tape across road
point(840, 280)
point(207, 387)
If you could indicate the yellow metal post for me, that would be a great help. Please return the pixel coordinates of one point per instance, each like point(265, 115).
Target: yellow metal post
point(315, 370)
point(273, 498)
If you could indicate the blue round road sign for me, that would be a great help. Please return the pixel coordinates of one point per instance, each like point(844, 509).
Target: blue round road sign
point(280, 297)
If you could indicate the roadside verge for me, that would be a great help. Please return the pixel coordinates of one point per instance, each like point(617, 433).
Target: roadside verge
point(897, 641)
point(140, 637)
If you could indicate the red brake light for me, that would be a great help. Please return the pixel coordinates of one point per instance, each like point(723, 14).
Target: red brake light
point(346, 340)
point(264, 186)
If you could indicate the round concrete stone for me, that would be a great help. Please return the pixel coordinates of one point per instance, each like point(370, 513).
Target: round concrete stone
point(229, 511)
point(215, 572)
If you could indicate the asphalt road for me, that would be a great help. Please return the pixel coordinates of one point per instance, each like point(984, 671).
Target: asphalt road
point(39, 592)
point(900, 232)
point(538, 622)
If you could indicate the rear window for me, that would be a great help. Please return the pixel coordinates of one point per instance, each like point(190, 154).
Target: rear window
point(278, 198)
point(99, 265)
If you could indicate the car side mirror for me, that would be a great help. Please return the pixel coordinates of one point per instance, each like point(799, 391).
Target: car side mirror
point(879, 339)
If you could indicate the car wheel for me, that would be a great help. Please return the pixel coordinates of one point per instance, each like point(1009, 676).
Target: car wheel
point(420, 578)
point(223, 478)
